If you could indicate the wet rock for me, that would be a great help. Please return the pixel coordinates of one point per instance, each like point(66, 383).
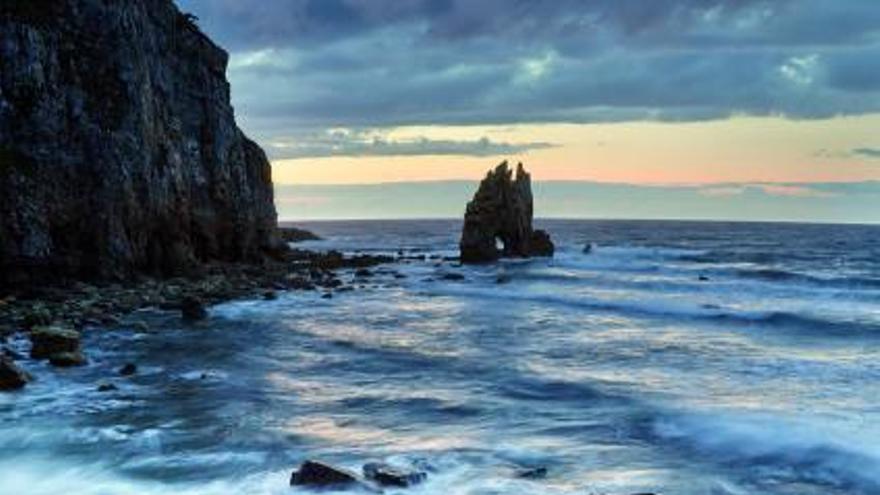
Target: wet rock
point(37, 315)
point(502, 279)
point(703, 278)
point(270, 295)
point(128, 369)
point(386, 475)
point(293, 235)
point(11, 353)
point(588, 248)
point(327, 295)
point(363, 273)
point(11, 376)
point(192, 309)
point(52, 340)
point(535, 473)
point(319, 475)
point(107, 387)
point(501, 213)
point(67, 359)
point(452, 276)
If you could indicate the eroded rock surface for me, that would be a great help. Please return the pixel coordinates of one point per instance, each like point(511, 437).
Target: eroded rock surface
point(498, 220)
point(119, 151)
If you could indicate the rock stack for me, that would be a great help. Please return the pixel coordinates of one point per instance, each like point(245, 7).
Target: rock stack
point(498, 221)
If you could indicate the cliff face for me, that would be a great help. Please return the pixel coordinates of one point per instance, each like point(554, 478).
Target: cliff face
point(501, 211)
point(119, 151)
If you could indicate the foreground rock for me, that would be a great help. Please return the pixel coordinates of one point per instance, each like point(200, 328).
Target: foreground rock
point(55, 340)
point(387, 475)
point(319, 475)
point(501, 212)
point(11, 376)
point(119, 151)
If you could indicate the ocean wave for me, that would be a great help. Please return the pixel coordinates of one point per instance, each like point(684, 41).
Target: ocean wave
point(778, 450)
point(830, 326)
point(779, 275)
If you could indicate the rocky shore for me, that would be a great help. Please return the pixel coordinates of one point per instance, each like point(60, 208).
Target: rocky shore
point(53, 315)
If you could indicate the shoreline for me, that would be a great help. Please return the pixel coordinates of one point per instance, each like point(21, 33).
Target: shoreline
point(78, 306)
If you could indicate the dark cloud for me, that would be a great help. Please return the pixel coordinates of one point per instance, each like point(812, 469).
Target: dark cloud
point(317, 64)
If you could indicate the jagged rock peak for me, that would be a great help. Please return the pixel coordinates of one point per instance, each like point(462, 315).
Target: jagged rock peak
point(498, 220)
point(119, 151)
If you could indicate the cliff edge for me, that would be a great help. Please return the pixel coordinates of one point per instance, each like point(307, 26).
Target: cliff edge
point(119, 152)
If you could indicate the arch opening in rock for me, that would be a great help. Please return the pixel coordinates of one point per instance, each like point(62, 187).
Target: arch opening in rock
point(498, 220)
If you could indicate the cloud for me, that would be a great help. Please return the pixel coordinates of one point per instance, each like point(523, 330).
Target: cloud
point(782, 190)
point(347, 142)
point(873, 153)
point(314, 64)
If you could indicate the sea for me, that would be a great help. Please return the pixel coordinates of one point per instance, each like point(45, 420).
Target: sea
point(679, 358)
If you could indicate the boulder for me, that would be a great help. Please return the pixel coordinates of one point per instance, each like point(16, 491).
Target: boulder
point(498, 220)
point(67, 359)
point(387, 475)
point(192, 309)
point(128, 369)
point(319, 475)
point(52, 340)
point(11, 376)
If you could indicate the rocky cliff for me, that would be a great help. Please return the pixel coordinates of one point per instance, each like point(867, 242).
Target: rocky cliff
point(501, 213)
point(119, 152)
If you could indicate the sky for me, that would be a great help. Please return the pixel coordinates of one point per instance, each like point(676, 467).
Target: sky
point(663, 102)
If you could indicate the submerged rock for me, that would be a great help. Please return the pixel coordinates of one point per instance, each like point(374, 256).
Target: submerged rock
point(387, 475)
point(498, 220)
point(107, 387)
point(319, 475)
point(11, 376)
point(536, 473)
point(53, 340)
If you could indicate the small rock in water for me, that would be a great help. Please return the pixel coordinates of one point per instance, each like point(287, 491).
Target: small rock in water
point(703, 278)
point(387, 475)
point(363, 273)
point(270, 295)
point(533, 473)
point(318, 474)
point(452, 276)
point(52, 340)
point(11, 376)
point(107, 387)
point(67, 359)
point(128, 370)
point(588, 248)
point(502, 279)
point(192, 309)
point(11, 354)
point(327, 295)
